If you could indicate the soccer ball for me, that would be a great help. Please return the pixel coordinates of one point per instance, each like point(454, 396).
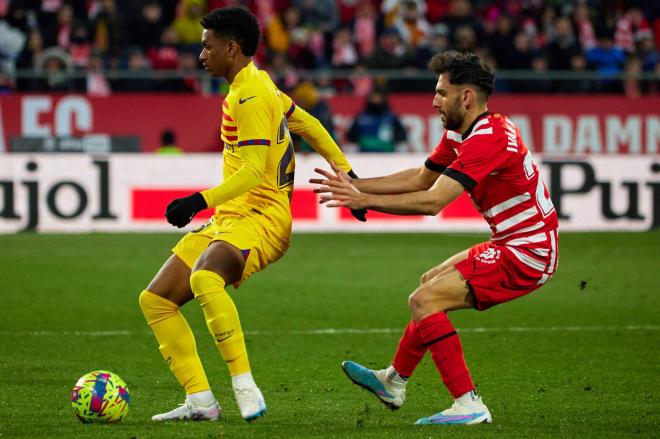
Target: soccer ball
point(101, 397)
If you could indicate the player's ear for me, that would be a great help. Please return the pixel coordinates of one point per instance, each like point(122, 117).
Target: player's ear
point(233, 48)
point(469, 97)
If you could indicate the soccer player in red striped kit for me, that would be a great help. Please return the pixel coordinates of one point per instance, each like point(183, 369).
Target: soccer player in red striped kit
point(481, 153)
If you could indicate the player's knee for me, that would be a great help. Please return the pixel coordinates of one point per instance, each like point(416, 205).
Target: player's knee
point(416, 301)
point(143, 300)
point(154, 307)
point(197, 282)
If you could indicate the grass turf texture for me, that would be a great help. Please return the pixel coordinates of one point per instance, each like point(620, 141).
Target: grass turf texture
point(57, 291)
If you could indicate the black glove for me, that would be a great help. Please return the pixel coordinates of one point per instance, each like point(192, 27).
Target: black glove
point(358, 214)
point(180, 211)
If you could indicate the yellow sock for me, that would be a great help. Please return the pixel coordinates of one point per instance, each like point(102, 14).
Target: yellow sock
point(221, 319)
point(176, 340)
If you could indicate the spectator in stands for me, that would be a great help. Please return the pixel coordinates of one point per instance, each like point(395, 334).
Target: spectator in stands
point(519, 57)
point(322, 15)
point(96, 83)
point(365, 28)
point(465, 40)
point(344, 53)
point(631, 27)
point(546, 31)
point(165, 54)
point(632, 86)
point(563, 47)
point(648, 54)
point(411, 24)
point(59, 33)
point(501, 41)
point(461, 14)
point(391, 53)
point(438, 43)
point(80, 47)
point(361, 81)
point(168, 144)
point(148, 27)
point(283, 74)
point(584, 26)
point(189, 71)
point(310, 35)
point(187, 25)
point(56, 66)
point(607, 59)
point(13, 34)
point(108, 29)
point(538, 83)
point(377, 128)
point(521, 54)
point(576, 85)
point(307, 97)
point(139, 78)
point(27, 60)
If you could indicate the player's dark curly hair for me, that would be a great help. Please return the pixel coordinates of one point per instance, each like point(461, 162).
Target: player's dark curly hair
point(236, 23)
point(464, 68)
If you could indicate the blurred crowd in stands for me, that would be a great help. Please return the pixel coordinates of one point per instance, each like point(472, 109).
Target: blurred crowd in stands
point(110, 46)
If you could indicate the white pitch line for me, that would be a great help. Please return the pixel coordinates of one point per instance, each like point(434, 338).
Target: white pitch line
point(340, 331)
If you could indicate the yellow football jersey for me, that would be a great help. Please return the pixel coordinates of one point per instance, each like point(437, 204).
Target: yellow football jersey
point(257, 115)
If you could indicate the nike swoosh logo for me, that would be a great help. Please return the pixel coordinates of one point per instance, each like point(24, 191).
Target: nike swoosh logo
point(220, 340)
point(242, 101)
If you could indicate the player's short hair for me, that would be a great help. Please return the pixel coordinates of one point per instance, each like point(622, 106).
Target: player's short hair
point(464, 68)
point(236, 23)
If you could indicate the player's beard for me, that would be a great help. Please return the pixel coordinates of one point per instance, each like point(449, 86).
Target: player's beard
point(453, 117)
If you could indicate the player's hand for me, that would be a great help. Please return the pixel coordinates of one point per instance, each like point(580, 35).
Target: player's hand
point(339, 176)
point(358, 214)
point(180, 211)
point(338, 192)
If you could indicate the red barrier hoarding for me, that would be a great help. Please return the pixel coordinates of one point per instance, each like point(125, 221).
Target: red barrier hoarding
point(567, 125)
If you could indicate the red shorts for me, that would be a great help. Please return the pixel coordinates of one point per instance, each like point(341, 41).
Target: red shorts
point(496, 275)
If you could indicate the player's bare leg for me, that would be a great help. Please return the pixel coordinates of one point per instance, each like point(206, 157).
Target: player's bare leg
point(160, 303)
point(219, 265)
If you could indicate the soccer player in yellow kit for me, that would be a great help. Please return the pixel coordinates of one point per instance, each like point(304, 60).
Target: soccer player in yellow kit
point(251, 227)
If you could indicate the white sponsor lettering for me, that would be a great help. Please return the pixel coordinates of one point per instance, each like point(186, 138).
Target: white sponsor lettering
point(557, 134)
point(587, 136)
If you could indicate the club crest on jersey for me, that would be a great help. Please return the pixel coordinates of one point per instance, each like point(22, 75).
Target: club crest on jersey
point(489, 256)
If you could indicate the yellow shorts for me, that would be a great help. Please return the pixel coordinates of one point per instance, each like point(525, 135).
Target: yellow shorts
point(255, 237)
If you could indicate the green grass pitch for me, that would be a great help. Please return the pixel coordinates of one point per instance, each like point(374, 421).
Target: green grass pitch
point(578, 358)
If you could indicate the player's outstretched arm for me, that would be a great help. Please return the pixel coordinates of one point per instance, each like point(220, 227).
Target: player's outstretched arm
point(408, 180)
point(337, 192)
point(309, 127)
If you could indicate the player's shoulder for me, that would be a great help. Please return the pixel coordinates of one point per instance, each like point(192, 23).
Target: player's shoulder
point(255, 93)
point(451, 139)
point(490, 129)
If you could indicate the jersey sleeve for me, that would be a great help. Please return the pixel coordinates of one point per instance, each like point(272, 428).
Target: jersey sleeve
point(479, 156)
point(247, 177)
point(309, 127)
point(254, 119)
point(442, 155)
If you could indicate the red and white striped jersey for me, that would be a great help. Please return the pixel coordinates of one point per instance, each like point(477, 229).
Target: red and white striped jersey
point(493, 164)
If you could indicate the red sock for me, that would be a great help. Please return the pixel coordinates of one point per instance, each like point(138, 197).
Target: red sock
point(410, 351)
point(440, 337)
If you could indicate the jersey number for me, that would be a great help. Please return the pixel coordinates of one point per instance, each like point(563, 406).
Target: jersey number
point(285, 178)
point(544, 203)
